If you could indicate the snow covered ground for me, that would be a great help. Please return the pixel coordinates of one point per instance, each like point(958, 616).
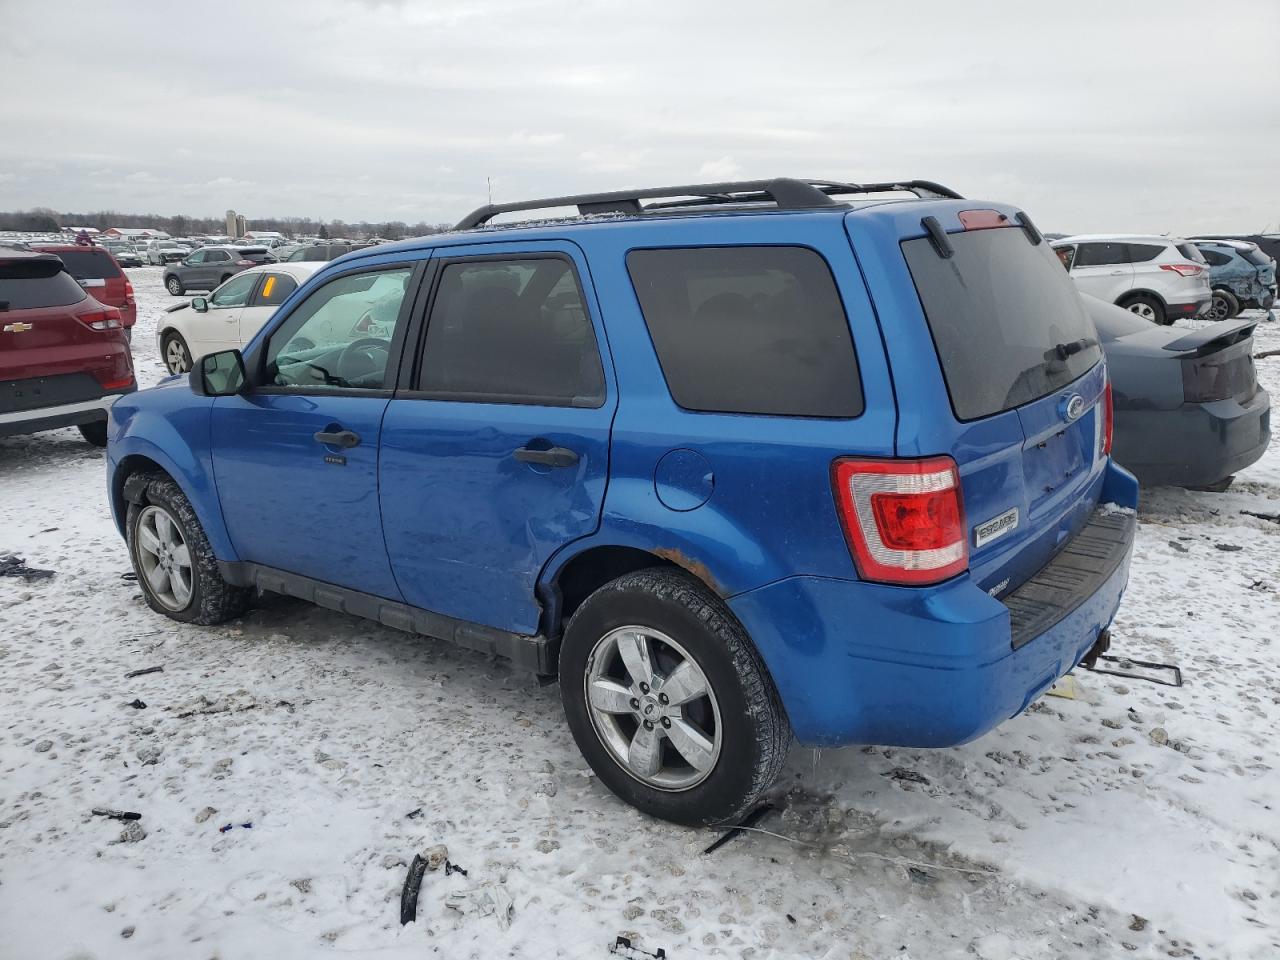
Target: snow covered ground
point(1135, 821)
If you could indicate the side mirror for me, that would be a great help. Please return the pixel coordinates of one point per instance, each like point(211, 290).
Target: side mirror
point(219, 375)
point(199, 304)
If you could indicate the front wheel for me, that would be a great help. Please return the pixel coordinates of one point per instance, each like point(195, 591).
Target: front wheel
point(174, 286)
point(668, 700)
point(173, 561)
point(177, 358)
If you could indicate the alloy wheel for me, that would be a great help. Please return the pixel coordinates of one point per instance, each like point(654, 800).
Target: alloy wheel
point(175, 357)
point(164, 558)
point(1144, 310)
point(653, 708)
point(1218, 309)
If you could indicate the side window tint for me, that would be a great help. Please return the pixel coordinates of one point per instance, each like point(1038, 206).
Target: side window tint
point(1143, 252)
point(1066, 255)
point(512, 331)
point(275, 289)
point(341, 335)
point(198, 257)
point(749, 330)
point(235, 292)
point(1101, 254)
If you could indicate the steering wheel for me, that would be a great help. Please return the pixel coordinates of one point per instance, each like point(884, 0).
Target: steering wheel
point(363, 357)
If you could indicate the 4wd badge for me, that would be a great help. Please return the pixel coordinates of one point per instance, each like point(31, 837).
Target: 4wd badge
point(996, 527)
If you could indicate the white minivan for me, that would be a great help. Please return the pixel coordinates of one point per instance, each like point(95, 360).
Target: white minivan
point(1158, 278)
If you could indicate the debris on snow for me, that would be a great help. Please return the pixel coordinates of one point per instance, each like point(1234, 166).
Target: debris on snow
point(205, 814)
point(412, 885)
point(131, 833)
point(115, 814)
point(11, 566)
point(436, 856)
point(624, 948)
point(143, 672)
point(483, 900)
point(747, 822)
point(136, 704)
point(910, 776)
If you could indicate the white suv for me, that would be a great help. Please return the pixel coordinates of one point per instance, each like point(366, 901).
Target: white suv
point(1158, 278)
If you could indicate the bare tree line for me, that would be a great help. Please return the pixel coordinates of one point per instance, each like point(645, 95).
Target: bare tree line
point(43, 219)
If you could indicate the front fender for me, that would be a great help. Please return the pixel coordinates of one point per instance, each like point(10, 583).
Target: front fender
point(176, 439)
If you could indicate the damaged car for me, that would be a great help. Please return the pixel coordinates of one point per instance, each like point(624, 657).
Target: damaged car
point(1188, 408)
point(1242, 276)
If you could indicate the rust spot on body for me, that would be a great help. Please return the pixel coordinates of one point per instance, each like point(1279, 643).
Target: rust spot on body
point(692, 565)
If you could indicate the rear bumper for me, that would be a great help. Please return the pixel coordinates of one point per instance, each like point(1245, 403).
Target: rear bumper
point(1195, 445)
point(62, 415)
point(1191, 309)
point(868, 663)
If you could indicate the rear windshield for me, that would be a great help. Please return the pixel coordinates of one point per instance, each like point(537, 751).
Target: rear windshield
point(258, 256)
point(27, 285)
point(999, 309)
point(749, 330)
point(1255, 256)
point(89, 265)
point(1191, 252)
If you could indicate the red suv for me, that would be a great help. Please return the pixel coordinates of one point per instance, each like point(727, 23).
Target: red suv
point(64, 358)
point(98, 272)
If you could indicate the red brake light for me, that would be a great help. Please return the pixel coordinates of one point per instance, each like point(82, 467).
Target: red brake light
point(128, 292)
point(982, 219)
point(108, 318)
point(117, 384)
point(1108, 419)
point(1183, 269)
point(904, 519)
point(245, 263)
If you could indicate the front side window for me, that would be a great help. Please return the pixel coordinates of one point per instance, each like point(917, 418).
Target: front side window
point(1101, 254)
point(749, 330)
point(340, 336)
point(235, 292)
point(512, 331)
point(197, 257)
point(275, 290)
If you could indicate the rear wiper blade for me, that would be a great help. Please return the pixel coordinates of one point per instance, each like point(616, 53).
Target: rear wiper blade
point(1063, 350)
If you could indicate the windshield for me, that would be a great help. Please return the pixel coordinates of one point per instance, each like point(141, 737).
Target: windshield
point(1007, 322)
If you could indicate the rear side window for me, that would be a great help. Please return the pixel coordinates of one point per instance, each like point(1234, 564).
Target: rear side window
point(1214, 258)
point(1101, 254)
point(90, 265)
point(274, 291)
point(511, 331)
point(27, 285)
point(999, 309)
point(756, 330)
point(1191, 252)
point(1255, 256)
point(1143, 252)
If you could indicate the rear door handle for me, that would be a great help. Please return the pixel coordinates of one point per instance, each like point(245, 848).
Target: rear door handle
point(339, 438)
point(555, 457)
point(1117, 273)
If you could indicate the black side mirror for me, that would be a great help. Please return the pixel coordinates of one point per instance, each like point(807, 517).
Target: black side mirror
point(199, 304)
point(219, 375)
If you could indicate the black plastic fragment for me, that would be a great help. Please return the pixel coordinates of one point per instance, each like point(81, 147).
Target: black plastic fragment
point(142, 673)
point(750, 820)
point(450, 868)
point(624, 948)
point(137, 704)
point(938, 237)
point(409, 895)
point(11, 566)
point(115, 814)
point(1174, 671)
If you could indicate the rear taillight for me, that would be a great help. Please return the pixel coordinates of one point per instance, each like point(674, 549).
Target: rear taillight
point(117, 384)
point(1183, 269)
point(1108, 420)
point(245, 263)
point(128, 293)
point(107, 318)
point(903, 519)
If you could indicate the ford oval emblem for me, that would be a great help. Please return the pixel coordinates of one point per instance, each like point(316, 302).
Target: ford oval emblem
point(1073, 407)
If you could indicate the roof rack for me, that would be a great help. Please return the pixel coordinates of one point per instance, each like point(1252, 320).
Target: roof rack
point(784, 192)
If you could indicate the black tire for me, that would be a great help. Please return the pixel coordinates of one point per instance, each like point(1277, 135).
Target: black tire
point(173, 341)
point(95, 433)
point(212, 600)
point(174, 285)
point(754, 732)
point(1148, 307)
point(1224, 306)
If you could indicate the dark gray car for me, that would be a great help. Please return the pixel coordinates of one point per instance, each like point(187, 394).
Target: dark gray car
point(209, 267)
point(1188, 408)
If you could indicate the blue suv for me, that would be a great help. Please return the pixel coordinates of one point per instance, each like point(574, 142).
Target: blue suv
point(735, 462)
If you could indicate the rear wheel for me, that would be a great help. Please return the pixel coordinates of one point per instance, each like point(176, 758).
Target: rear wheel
point(1223, 306)
point(174, 286)
point(1148, 308)
point(177, 357)
point(174, 563)
point(668, 700)
point(95, 433)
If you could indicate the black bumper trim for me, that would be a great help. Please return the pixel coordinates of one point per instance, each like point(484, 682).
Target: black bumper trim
point(1072, 576)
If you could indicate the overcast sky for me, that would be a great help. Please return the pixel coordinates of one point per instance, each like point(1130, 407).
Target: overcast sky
point(1093, 116)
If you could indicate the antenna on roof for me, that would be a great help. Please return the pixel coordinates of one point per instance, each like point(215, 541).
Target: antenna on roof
point(489, 181)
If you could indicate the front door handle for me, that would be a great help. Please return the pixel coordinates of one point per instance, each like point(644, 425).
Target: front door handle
point(554, 457)
point(1117, 273)
point(339, 438)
